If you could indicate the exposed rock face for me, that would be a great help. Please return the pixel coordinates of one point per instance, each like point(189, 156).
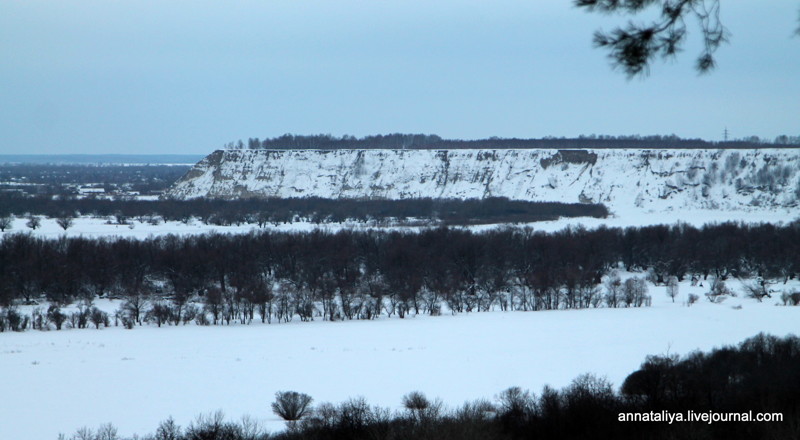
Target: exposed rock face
point(655, 180)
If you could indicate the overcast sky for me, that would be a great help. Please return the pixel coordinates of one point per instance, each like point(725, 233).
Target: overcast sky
point(141, 76)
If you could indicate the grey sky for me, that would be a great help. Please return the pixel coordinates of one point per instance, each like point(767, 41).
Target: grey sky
point(142, 76)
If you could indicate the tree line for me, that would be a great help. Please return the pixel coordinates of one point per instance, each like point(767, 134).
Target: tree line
point(399, 141)
point(760, 375)
point(278, 277)
point(318, 210)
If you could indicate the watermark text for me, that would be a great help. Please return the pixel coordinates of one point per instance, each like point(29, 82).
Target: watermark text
point(708, 417)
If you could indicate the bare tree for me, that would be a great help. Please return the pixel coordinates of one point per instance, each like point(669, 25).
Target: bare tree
point(634, 292)
point(134, 307)
point(672, 287)
point(106, 432)
point(250, 429)
point(6, 222)
point(84, 433)
point(263, 299)
point(214, 302)
point(613, 289)
point(515, 402)
point(291, 405)
point(34, 222)
point(168, 430)
point(420, 407)
point(65, 221)
point(416, 401)
point(354, 415)
point(371, 289)
point(120, 218)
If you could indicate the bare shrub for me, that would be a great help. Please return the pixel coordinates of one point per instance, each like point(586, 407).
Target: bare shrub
point(160, 313)
point(692, 299)
point(718, 291)
point(757, 290)
point(104, 432)
point(190, 313)
point(790, 299)
point(477, 410)
point(56, 316)
point(128, 323)
point(202, 318)
point(98, 317)
point(15, 320)
point(213, 427)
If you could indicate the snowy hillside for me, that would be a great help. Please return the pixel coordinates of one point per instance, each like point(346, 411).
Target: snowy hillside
point(623, 179)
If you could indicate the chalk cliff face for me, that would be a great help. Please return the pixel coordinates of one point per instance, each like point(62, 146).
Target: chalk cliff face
point(653, 180)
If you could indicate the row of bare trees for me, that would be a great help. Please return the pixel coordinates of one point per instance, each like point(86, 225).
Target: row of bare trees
point(263, 212)
point(362, 275)
point(400, 141)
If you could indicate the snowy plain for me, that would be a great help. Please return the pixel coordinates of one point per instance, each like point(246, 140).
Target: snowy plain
point(136, 378)
point(103, 227)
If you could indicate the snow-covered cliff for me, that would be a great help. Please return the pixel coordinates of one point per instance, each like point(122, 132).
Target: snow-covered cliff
point(652, 180)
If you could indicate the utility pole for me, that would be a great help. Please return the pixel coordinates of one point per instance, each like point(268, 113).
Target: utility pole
point(725, 134)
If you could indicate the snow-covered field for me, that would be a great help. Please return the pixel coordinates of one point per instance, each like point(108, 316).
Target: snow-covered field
point(100, 227)
point(58, 381)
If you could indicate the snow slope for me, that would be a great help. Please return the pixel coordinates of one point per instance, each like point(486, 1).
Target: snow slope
point(58, 381)
point(623, 179)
